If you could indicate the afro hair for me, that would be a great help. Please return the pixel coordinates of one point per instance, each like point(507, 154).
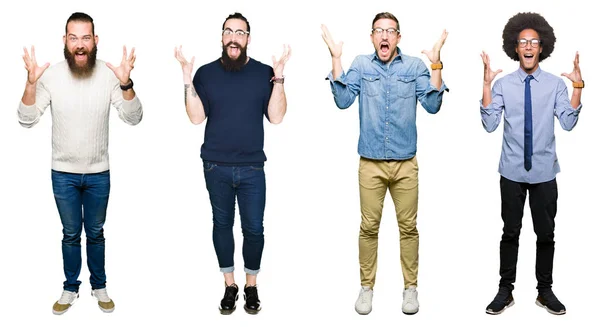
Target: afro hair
point(522, 21)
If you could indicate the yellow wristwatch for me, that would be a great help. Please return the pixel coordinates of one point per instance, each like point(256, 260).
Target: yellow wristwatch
point(437, 66)
point(578, 85)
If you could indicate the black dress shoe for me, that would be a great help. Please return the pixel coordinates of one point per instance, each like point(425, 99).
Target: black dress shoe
point(502, 301)
point(252, 305)
point(228, 302)
point(547, 300)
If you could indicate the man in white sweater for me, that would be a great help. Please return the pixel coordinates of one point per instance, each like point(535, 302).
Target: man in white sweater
point(80, 91)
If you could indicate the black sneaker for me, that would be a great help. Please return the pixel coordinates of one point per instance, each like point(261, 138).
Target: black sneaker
point(252, 305)
point(228, 302)
point(546, 299)
point(503, 300)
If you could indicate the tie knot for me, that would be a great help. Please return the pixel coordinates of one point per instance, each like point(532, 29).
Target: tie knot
point(528, 78)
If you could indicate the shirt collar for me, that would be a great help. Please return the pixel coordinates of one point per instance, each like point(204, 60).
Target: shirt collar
point(536, 74)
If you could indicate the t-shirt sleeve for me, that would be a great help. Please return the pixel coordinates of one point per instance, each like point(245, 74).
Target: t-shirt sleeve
point(199, 87)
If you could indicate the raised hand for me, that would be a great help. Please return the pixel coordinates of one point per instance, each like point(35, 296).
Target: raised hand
point(279, 64)
point(186, 66)
point(334, 48)
point(488, 73)
point(575, 75)
point(34, 72)
point(434, 53)
point(124, 70)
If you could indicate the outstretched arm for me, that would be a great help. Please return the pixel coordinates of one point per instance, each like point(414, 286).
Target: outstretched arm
point(277, 102)
point(193, 103)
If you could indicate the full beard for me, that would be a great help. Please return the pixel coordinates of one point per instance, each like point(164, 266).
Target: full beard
point(85, 70)
point(233, 65)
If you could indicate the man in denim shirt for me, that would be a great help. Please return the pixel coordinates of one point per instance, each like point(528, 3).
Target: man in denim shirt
point(530, 99)
point(388, 84)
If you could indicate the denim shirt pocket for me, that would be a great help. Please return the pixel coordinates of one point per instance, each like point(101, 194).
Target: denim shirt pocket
point(370, 84)
point(407, 86)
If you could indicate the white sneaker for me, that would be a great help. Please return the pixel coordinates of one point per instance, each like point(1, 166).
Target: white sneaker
point(65, 302)
point(104, 302)
point(364, 302)
point(410, 303)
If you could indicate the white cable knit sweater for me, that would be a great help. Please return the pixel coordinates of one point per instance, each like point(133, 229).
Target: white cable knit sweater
point(80, 110)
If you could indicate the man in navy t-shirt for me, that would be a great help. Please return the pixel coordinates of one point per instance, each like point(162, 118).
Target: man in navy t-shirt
point(234, 92)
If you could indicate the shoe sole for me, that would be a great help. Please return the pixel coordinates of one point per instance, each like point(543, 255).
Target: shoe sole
point(548, 309)
point(490, 312)
point(251, 311)
point(410, 313)
point(363, 313)
point(106, 310)
point(58, 313)
point(227, 312)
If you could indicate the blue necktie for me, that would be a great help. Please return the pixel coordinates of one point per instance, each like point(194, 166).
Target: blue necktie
point(528, 124)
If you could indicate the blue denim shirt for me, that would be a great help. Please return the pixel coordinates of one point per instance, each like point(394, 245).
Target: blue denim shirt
point(387, 102)
point(549, 98)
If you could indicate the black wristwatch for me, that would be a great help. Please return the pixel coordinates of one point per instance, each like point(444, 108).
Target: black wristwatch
point(127, 86)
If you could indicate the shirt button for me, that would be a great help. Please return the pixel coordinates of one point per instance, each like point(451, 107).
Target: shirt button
point(388, 92)
point(386, 107)
point(386, 123)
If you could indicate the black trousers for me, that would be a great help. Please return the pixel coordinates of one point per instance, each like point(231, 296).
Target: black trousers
point(542, 202)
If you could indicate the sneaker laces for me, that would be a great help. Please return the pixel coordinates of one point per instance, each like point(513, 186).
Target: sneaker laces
point(364, 294)
point(410, 296)
point(67, 297)
point(101, 295)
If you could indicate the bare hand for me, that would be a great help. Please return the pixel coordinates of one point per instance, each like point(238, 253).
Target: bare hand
point(279, 64)
point(488, 73)
point(124, 70)
point(434, 54)
point(186, 66)
point(334, 48)
point(575, 75)
point(34, 72)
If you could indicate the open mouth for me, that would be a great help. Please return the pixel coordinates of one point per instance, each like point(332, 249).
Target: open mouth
point(80, 55)
point(528, 56)
point(234, 50)
point(384, 47)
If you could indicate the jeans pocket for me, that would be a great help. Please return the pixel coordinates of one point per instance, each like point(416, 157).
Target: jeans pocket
point(257, 167)
point(208, 166)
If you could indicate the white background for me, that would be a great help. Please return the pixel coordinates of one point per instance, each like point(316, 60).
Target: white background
point(161, 265)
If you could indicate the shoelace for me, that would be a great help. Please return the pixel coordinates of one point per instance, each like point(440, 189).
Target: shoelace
point(363, 296)
point(66, 297)
point(411, 295)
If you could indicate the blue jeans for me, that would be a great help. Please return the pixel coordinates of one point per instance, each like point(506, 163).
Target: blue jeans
point(81, 200)
point(247, 183)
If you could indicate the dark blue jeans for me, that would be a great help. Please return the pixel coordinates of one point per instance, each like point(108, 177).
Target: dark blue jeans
point(247, 183)
point(81, 200)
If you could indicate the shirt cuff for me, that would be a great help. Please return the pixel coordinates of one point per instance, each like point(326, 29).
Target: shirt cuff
point(577, 110)
point(432, 88)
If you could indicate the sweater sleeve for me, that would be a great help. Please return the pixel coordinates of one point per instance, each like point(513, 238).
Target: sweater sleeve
point(130, 111)
point(30, 115)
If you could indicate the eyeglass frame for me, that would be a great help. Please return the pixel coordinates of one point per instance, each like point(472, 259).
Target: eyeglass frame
point(232, 32)
point(526, 41)
point(375, 31)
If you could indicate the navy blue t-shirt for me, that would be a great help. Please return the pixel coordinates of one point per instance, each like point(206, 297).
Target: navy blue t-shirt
point(234, 103)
